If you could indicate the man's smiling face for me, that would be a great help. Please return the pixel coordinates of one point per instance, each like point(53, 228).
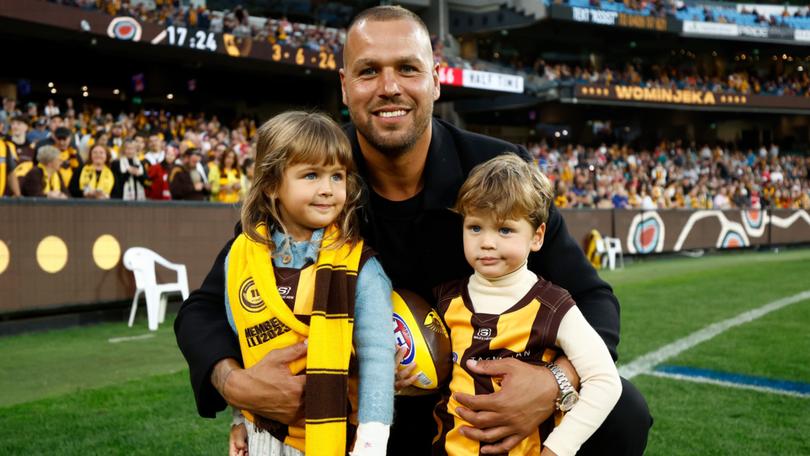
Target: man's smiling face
point(389, 82)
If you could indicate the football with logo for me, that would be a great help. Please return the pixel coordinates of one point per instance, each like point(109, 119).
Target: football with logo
point(418, 327)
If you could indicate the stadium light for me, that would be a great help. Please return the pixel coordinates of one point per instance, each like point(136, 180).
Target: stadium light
point(84, 88)
point(53, 90)
point(556, 134)
point(170, 96)
point(85, 94)
point(50, 85)
point(565, 132)
point(116, 92)
point(801, 68)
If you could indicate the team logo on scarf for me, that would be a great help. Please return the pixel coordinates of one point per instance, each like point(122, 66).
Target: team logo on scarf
point(249, 297)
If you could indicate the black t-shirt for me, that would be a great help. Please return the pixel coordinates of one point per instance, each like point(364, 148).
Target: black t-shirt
point(419, 249)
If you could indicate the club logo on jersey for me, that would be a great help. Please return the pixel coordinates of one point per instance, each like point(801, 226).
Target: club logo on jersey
point(124, 28)
point(434, 324)
point(403, 337)
point(249, 297)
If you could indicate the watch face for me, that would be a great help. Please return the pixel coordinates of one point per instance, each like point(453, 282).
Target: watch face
point(568, 401)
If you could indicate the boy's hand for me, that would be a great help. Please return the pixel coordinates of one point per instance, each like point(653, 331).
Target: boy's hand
point(403, 377)
point(237, 442)
point(506, 417)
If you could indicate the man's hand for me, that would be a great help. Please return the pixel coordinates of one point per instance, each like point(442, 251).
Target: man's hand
point(268, 388)
point(506, 417)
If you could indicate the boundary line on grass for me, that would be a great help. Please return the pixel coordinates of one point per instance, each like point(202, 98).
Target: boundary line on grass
point(116, 340)
point(644, 364)
point(740, 381)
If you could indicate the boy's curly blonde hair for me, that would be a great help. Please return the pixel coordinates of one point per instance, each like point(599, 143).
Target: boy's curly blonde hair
point(508, 188)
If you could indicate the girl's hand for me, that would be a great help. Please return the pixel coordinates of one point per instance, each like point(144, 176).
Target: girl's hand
point(237, 442)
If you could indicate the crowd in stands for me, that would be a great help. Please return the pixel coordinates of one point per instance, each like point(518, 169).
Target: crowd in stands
point(237, 21)
point(538, 75)
point(155, 155)
point(132, 156)
point(741, 82)
point(675, 176)
point(756, 15)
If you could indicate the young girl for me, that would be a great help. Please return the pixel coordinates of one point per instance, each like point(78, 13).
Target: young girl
point(300, 272)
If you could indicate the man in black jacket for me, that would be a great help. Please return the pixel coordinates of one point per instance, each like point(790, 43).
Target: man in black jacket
point(413, 166)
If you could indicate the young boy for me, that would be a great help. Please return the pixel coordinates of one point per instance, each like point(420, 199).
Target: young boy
point(504, 310)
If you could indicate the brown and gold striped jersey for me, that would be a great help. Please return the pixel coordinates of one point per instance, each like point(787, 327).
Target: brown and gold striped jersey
point(527, 331)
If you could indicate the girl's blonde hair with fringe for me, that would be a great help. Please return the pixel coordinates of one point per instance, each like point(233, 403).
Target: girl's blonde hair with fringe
point(506, 187)
point(288, 139)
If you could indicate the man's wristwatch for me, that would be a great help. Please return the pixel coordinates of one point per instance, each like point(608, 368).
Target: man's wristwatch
point(568, 396)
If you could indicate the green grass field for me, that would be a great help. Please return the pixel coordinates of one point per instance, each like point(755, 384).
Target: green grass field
point(74, 392)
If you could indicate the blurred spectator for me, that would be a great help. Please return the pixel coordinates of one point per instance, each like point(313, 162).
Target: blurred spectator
point(51, 109)
point(71, 160)
point(95, 180)
point(8, 111)
point(248, 167)
point(39, 133)
point(155, 150)
point(186, 182)
point(158, 176)
point(9, 186)
point(17, 138)
point(225, 178)
point(130, 174)
point(43, 180)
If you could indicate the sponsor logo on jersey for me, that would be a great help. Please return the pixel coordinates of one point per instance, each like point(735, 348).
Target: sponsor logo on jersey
point(483, 334)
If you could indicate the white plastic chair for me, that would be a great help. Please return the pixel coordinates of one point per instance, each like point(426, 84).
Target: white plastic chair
point(613, 248)
point(141, 261)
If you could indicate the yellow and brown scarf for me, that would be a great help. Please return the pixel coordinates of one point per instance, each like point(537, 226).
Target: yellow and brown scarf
point(103, 181)
point(264, 322)
point(50, 183)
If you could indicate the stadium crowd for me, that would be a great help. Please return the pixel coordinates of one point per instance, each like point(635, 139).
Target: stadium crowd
point(131, 156)
point(161, 156)
point(683, 77)
point(237, 21)
point(538, 74)
point(674, 175)
point(758, 14)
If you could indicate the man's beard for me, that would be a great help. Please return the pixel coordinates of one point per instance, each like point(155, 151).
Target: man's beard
point(394, 146)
